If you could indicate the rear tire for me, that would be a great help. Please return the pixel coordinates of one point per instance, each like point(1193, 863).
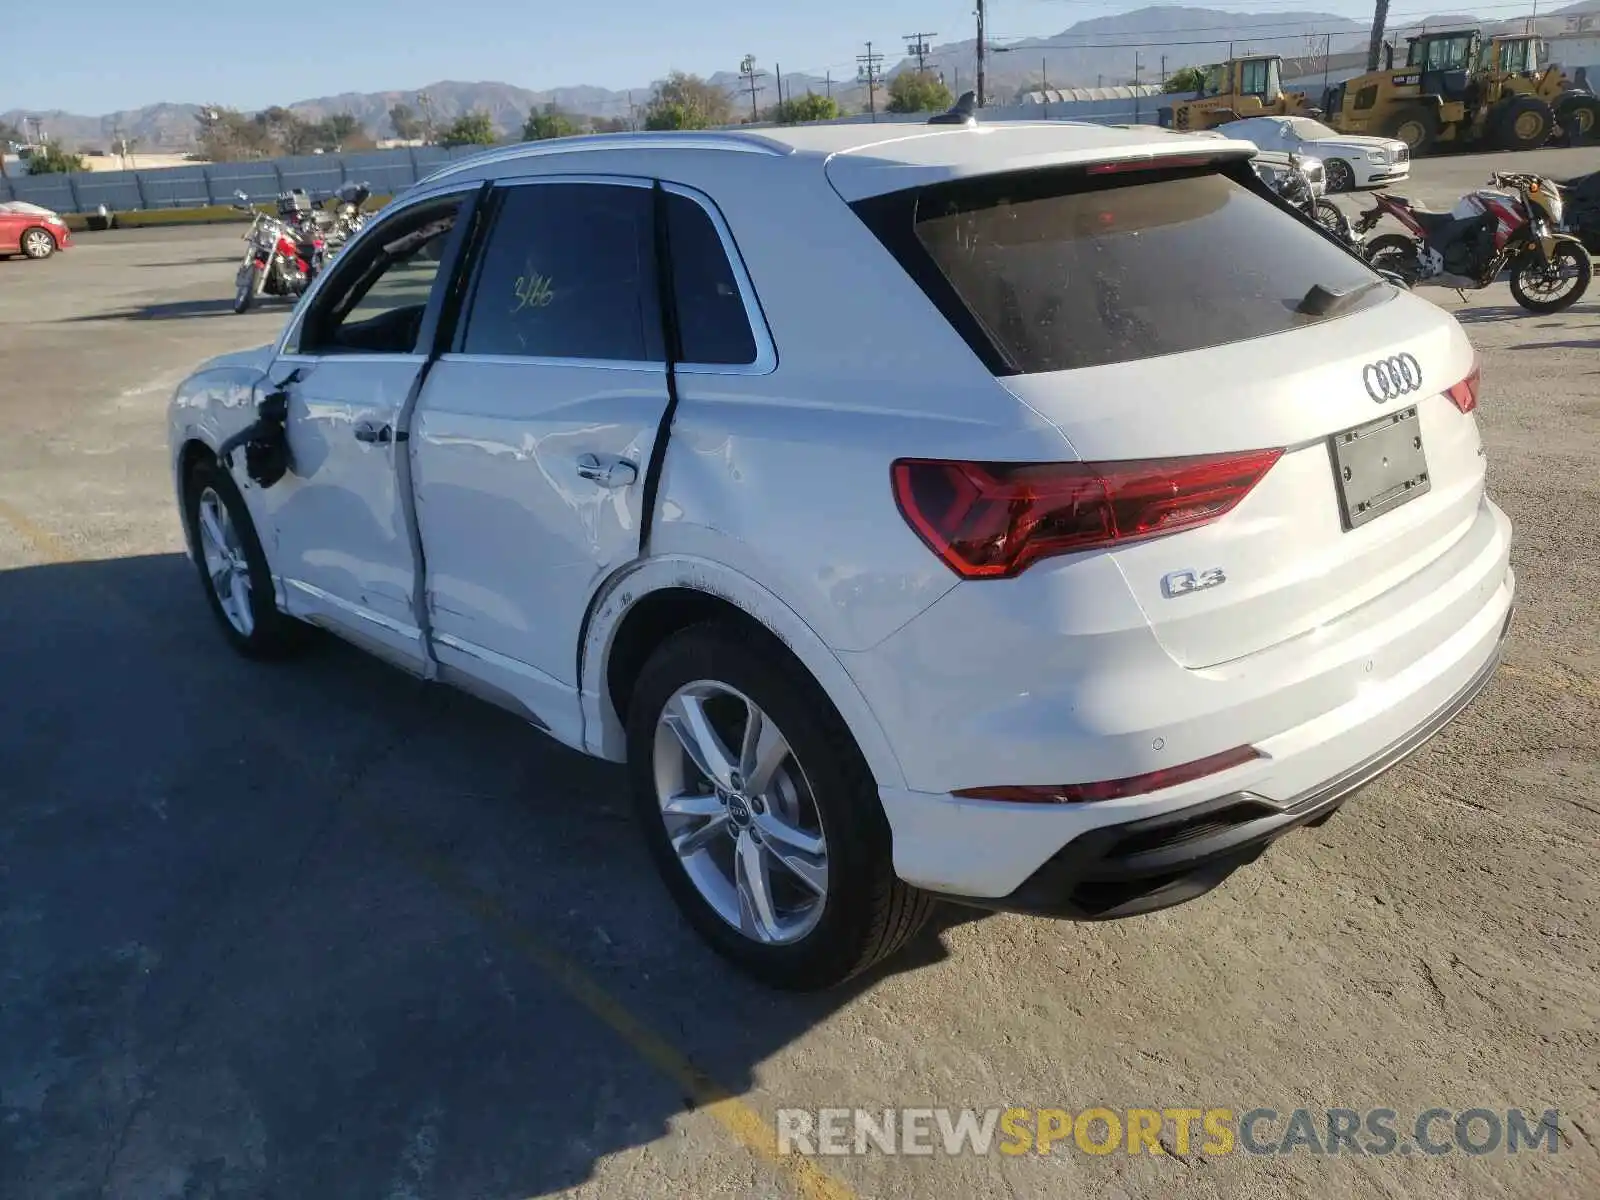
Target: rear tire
point(1521, 123)
point(233, 567)
point(1416, 126)
point(1330, 216)
point(1394, 252)
point(38, 242)
point(1526, 270)
point(864, 912)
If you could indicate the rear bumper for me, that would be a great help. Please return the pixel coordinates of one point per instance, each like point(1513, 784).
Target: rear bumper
point(1144, 865)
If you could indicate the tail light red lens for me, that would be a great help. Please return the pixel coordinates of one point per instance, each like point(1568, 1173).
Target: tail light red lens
point(1114, 789)
point(993, 520)
point(1464, 395)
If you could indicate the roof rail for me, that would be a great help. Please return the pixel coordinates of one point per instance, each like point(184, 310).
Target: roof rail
point(738, 143)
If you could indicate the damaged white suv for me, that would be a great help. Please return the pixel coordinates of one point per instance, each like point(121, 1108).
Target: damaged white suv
point(1034, 515)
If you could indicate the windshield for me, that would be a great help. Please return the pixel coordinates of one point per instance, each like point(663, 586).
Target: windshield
point(1310, 130)
point(1214, 80)
point(1060, 272)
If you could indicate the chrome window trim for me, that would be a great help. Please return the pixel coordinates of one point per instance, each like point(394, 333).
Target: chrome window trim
point(766, 360)
point(602, 364)
point(382, 218)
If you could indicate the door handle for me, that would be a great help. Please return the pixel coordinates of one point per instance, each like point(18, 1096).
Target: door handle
point(608, 472)
point(380, 435)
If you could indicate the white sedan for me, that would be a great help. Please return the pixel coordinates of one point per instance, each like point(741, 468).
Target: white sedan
point(1033, 516)
point(1353, 161)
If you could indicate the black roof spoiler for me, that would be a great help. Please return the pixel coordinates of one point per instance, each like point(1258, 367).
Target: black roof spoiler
point(962, 112)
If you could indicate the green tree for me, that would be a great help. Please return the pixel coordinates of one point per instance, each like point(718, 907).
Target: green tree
point(797, 110)
point(918, 91)
point(1185, 79)
point(475, 128)
point(227, 135)
point(51, 159)
point(407, 125)
point(547, 122)
point(340, 128)
point(610, 125)
point(684, 101)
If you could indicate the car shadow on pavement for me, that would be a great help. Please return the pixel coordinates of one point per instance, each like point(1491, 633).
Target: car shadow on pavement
point(1569, 344)
point(194, 262)
point(172, 310)
point(314, 928)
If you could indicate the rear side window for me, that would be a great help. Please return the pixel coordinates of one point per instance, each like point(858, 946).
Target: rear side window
point(568, 271)
point(712, 322)
point(1058, 270)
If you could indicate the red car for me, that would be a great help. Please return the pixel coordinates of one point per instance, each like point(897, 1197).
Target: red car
point(31, 231)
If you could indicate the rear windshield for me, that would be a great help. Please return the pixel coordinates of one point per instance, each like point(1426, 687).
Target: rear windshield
point(1058, 270)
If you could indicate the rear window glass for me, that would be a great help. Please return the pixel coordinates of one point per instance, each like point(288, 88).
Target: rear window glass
point(1058, 275)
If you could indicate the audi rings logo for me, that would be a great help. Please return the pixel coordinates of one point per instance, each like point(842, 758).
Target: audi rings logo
point(1390, 378)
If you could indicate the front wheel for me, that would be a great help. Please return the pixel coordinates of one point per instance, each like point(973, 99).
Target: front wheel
point(244, 288)
point(1547, 287)
point(1341, 177)
point(38, 243)
point(233, 567)
point(761, 814)
point(1330, 217)
point(1394, 254)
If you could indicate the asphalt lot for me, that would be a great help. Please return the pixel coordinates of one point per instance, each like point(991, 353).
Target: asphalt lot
point(312, 930)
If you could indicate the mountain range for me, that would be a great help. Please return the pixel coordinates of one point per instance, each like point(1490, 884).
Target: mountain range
point(1141, 45)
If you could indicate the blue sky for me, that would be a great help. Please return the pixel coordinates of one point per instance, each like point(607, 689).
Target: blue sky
point(111, 55)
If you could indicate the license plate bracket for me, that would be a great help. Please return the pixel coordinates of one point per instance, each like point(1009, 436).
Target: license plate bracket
point(1378, 466)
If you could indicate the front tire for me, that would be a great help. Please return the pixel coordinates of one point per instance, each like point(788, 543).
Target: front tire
point(233, 567)
point(761, 814)
point(1522, 123)
point(1415, 125)
point(1396, 253)
point(1341, 176)
point(1330, 217)
point(38, 243)
point(1579, 117)
point(1548, 289)
point(244, 288)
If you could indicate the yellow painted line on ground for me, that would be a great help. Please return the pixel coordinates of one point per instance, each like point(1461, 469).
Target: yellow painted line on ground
point(733, 1114)
point(45, 544)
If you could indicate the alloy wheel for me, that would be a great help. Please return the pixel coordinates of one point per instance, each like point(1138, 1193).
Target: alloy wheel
point(226, 564)
point(740, 814)
point(36, 243)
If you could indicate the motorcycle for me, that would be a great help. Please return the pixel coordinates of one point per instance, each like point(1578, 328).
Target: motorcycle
point(1293, 184)
point(1581, 199)
point(1515, 223)
point(282, 254)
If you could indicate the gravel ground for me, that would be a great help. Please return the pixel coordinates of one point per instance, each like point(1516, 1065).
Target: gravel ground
point(312, 931)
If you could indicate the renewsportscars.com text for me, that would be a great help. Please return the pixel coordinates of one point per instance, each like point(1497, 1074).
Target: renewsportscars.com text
point(1379, 1132)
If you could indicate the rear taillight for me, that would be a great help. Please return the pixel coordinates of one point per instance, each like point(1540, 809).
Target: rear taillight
point(1464, 395)
point(993, 520)
point(1155, 162)
point(1115, 789)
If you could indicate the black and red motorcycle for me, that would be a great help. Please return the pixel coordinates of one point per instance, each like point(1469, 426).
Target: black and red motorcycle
point(282, 254)
point(1514, 224)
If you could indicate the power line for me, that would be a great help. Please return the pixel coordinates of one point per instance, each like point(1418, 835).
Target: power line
point(868, 71)
point(748, 72)
point(917, 47)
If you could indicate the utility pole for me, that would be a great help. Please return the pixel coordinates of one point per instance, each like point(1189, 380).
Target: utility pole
point(868, 72)
point(748, 72)
point(1380, 17)
point(1163, 79)
point(917, 47)
point(633, 120)
point(1327, 54)
point(1136, 68)
point(827, 80)
point(777, 75)
point(983, 51)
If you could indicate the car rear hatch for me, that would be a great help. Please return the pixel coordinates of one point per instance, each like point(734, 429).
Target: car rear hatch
point(1154, 315)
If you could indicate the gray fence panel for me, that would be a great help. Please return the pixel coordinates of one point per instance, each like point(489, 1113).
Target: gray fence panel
point(318, 174)
point(117, 190)
point(384, 171)
point(257, 180)
point(49, 191)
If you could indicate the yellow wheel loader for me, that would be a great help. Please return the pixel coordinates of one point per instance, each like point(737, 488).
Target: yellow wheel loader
point(1456, 89)
point(1236, 89)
